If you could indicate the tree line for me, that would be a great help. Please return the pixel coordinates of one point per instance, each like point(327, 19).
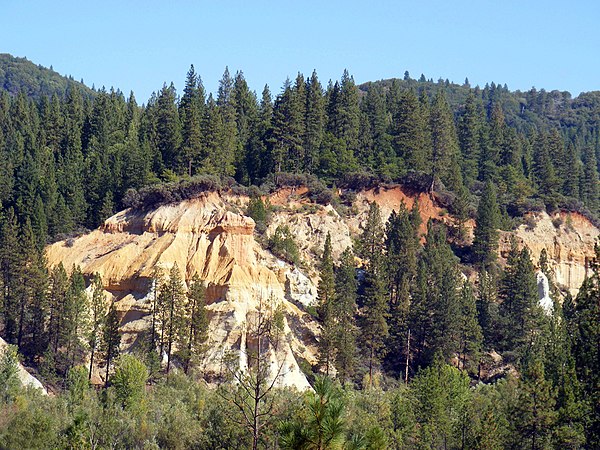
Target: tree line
point(68, 161)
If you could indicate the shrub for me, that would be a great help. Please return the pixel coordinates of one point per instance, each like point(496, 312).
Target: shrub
point(359, 181)
point(162, 194)
point(557, 221)
point(319, 193)
point(283, 245)
point(259, 212)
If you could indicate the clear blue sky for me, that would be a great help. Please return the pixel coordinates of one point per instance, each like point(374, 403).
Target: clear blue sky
point(138, 45)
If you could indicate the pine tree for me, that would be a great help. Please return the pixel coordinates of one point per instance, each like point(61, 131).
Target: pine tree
point(373, 324)
point(195, 324)
point(168, 128)
point(589, 190)
point(326, 307)
point(410, 133)
point(584, 325)
point(33, 295)
point(519, 310)
point(402, 247)
point(544, 173)
point(445, 155)
point(10, 263)
point(485, 242)
point(370, 242)
point(487, 307)
point(97, 319)
point(228, 141)
point(247, 116)
point(111, 339)
point(345, 340)
point(287, 134)
point(573, 170)
point(191, 111)
point(75, 319)
point(314, 122)
point(469, 137)
point(435, 308)
point(172, 296)
point(534, 413)
point(470, 333)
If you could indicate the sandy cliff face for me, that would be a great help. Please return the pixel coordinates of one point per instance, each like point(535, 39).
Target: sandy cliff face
point(210, 236)
point(568, 239)
point(202, 236)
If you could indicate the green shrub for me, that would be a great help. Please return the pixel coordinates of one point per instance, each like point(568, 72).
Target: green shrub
point(283, 245)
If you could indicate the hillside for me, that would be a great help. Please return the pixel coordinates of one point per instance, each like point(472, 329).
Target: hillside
point(35, 81)
point(210, 235)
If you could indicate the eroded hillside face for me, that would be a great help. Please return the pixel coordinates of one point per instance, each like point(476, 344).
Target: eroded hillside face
point(568, 239)
point(212, 237)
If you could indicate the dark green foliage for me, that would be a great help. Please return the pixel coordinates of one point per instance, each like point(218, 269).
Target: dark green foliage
point(326, 308)
point(435, 313)
point(346, 332)
point(21, 75)
point(520, 313)
point(283, 245)
point(485, 242)
point(259, 212)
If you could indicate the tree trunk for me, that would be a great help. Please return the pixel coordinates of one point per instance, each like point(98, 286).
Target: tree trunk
point(91, 361)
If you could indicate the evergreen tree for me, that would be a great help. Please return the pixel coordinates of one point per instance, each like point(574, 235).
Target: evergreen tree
point(10, 264)
point(572, 172)
point(345, 340)
point(374, 311)
point(445, 155)
point(410, 133)
point(585, 327)
point(314, 122)
point(326, 308)
point(191, 111)
point(171, 311)
point(534, 413)
point(485, 242)
point(435, 309)
point(97, 319)
point(402, 247)
point(195, 324)
point(470, 334)
point(228, 142)
point(168, 128)
point(469, 137)
point(111, 339)
point(519, 311)
point(589, 190)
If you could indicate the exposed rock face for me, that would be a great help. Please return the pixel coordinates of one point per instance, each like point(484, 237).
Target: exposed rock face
point(210, 236)
point(568, 239)
point(27, 380)
point(202, 236)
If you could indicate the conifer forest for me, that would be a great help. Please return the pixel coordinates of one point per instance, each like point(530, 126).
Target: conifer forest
point(427, 334)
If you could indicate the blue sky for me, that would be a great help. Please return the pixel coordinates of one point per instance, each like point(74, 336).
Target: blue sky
point(138, 45)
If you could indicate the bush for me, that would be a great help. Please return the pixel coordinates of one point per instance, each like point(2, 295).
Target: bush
point(129, 382)
point(162, 194)
point(259, 212)
point(359, 181)
point(557, 221)
point(319, 193)
point(283, 245)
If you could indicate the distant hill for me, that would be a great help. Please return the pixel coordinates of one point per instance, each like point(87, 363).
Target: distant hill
point(523, 110)
point(20, 74)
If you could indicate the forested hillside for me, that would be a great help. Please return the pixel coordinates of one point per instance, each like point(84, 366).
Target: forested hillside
point(21, 75)
point(422, 355)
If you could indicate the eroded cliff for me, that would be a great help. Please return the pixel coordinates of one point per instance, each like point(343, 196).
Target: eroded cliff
point(212, 237)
